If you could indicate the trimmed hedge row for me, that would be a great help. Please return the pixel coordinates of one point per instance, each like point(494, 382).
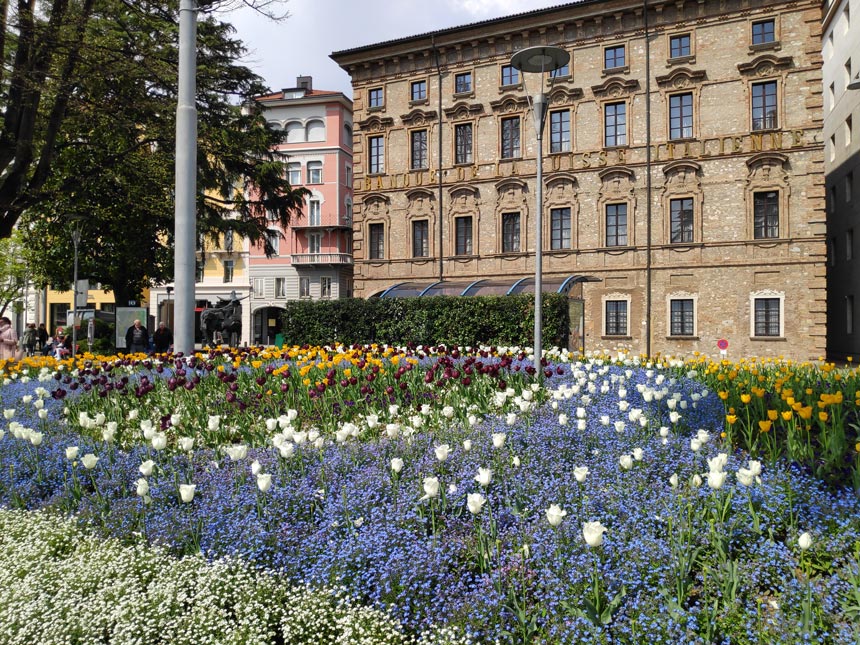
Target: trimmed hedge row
point(452, 320)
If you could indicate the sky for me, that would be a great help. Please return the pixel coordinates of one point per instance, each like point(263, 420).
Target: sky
point(301, 45)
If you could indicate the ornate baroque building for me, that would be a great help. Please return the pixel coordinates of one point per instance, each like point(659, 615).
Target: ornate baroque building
point(683, 169)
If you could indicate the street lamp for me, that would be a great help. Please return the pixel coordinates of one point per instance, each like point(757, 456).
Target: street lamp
point(76, 240)
point(539, 60)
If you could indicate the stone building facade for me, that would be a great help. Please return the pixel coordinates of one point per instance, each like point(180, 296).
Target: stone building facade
point(682, 167)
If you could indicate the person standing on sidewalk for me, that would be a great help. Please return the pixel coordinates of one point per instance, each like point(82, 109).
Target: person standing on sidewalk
point(136, 339)
point(8, 340)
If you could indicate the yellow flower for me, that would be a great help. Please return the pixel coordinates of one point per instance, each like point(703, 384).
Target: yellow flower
point(805, 412)
point(256, 364)
point(306, 381)
point(731, 418)
point(786, 415)
point(723, 434)
point(764, 426)
point(772, 415)
point(745, 398)
point(822, 416)
point(723, 395)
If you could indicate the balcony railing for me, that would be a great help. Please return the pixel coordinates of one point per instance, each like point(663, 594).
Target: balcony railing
point(306, 259)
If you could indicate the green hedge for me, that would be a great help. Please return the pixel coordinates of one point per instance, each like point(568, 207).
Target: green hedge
point(452, 320)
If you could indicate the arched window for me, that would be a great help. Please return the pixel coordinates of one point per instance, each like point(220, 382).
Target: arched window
point(295, 132)
point(316, 130)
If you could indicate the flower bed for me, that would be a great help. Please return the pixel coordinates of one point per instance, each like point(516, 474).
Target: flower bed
point(599, 504)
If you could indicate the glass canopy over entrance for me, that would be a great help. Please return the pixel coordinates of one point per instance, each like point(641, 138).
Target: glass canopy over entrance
point(484, 287)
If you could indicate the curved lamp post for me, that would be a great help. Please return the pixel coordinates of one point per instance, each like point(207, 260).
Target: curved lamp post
point(539, 60)
point(76, 240)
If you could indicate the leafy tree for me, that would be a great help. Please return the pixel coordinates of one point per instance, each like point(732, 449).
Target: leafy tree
point(113, 163)
point(13, 272)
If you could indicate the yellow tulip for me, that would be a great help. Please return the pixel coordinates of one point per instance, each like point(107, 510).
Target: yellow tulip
point(723, 395)
point(772, 415)
point(764, 426)
point(786, 415)
point(745, 398)
point(731, 418)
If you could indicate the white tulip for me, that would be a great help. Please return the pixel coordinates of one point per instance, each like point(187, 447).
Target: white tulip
point(745, 477)
point(562, 419)
point(467, 445)
point(264, 482)
point(593, 533)
point(718, 463)
point(484, 477)
point(716, 479)
point(36, 438)
point(754, 467)
point(442, 452)
point(72, 453)
point(804, 541)
point(159, 441)
point(146, 467)
point(475, 502)
point(142, 487)
point(431, 487)
point(673, 480)
point(554, 515)
point(89, 461)
point(286, 450)
point(499, 439)
point(397, 464)
point(256, 468)
point(448, 412)
point(186, 492)
point(626, 462)
point(637, 454)
point(580, 473)
point(186, 443)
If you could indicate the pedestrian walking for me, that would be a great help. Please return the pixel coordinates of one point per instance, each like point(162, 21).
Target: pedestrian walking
point(42, 337)
point(8, 340)
point(136, 338)
point(28, 339)
point(162, 338)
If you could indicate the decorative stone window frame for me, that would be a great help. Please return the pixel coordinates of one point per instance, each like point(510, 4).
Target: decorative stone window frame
point(429, 151)
point(682, 81)
point(559, 99)
point(376, 108)
point(623, 69)
point(374, 126)
point(506, 107)
point(763, 69)
point(463, 201)
point(767, 171)
point(616, 295)
point(376, 209)
point(426, 99)
point(458, 114)
point(775, 44)
point(616, 90)
point(767, 293)
point(462, 95)
point(512, 197)
point(681, 60)
point(561, 191)
point(617, 186)
point(682, 179)
point(682, 295)
point(510, 87)
point(421, 206)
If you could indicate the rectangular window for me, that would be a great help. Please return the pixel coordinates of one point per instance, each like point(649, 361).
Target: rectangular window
point(375, 98)
point(616, 225)
point(764, 112)
point(419, 91)
point(614, 57)
point(682, 321)
point(377, 155)
point(259, 286)
point(767, 317)
point(280, 287)
point(314, 243)
point(561, 72)
point(418, 149)
point(304, 287)
point(681, 116)
point(325, 287)
point(228, 240)
point(314, 213)
point(228, 271)
point(274, 241)
point(420, 239)
point(463, 83)
point(615, 124)
point(763, 32)
point(463, 226)
point(511, 137)
point(679, 46)
point(616, 317)
point(377, 241)
point(766, 215)
point(315, 172)
point(510, 75)
point(463, 142)
point(681, 220)
point(198, 271)
point(559, 131)
point(560, 236)
point(510, 232)
point(294, 173)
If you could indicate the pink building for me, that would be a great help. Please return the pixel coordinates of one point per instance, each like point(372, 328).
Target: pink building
point(314, 254)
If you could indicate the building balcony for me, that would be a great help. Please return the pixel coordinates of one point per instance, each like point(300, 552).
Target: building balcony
point(328, 259)
point(304, 226)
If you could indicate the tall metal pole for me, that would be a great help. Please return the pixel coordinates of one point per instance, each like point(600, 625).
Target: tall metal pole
point(439, 160)
point(540, 60)
point(76, 240)
point(186, 179)
point(540, 116)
